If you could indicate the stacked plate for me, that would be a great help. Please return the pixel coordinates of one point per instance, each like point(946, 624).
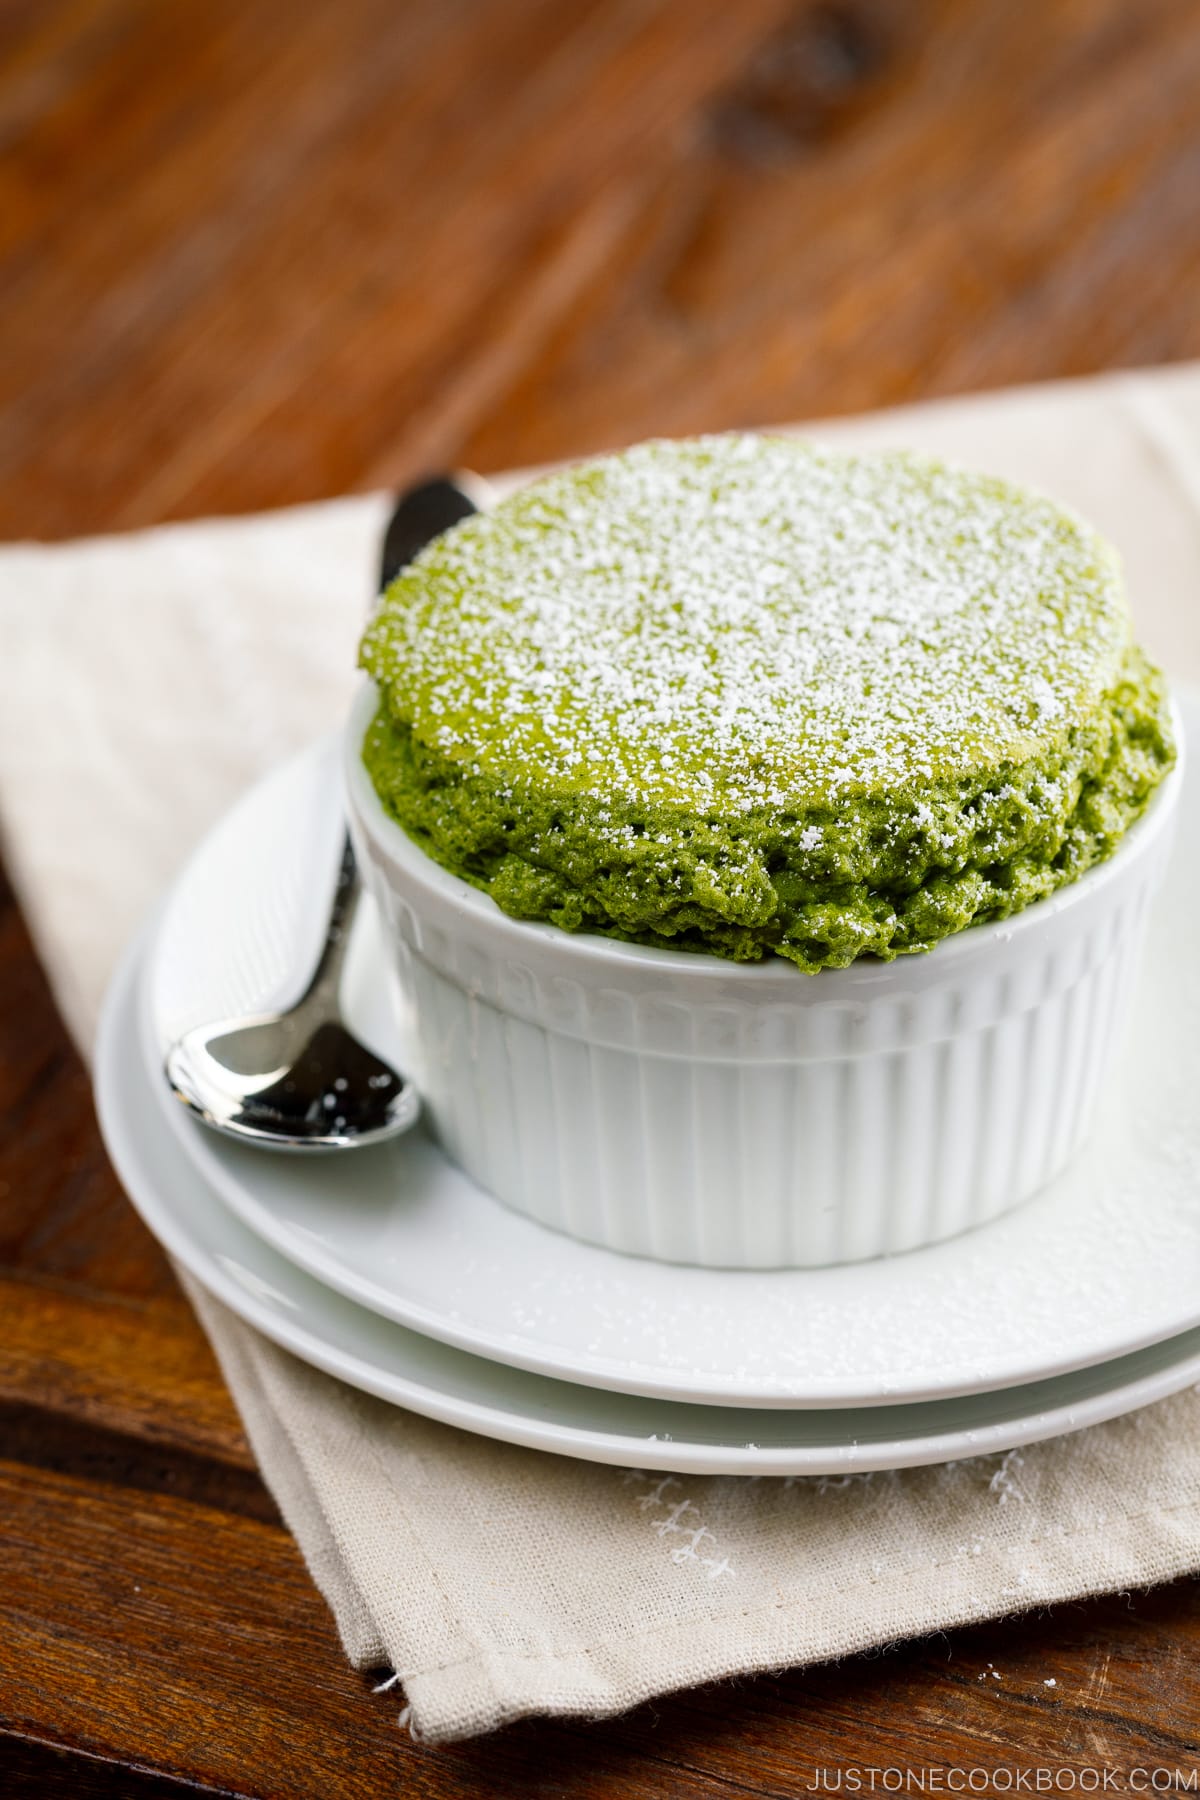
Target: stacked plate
point(389, 1269)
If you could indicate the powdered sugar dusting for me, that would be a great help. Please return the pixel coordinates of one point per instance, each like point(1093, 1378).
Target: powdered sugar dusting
point(734, 623)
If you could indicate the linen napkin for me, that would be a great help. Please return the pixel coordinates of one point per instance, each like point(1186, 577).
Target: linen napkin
point(144, 681)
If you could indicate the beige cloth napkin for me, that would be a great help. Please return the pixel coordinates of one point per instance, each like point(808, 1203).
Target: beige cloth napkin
point(143, 682)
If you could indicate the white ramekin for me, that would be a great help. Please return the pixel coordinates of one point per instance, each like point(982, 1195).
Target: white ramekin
point(745, 1115)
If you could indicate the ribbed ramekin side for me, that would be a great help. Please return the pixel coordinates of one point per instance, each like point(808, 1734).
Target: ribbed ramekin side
point(762, 1165)
point(728, 1132)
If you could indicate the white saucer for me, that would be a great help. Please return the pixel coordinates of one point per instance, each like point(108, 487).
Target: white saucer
point(1105, 1262)
point(417, 1372)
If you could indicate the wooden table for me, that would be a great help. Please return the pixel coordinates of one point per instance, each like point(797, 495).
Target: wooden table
point(254, 252)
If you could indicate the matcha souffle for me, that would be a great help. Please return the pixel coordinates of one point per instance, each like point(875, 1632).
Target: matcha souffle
point(746, 696)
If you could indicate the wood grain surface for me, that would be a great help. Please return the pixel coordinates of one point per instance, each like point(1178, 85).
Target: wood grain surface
point(254, 252)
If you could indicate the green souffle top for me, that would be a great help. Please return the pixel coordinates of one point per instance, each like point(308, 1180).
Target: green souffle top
point(747, 696)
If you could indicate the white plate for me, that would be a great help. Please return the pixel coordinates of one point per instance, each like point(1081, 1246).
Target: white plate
point(1101, 1264)
point(370, 1352)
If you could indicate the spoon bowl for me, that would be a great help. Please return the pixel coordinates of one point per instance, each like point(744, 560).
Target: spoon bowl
point(283, 1082)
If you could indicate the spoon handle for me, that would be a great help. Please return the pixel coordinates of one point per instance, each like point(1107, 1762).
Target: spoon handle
point(419, 516)
point(327, 976)
point(422, 514)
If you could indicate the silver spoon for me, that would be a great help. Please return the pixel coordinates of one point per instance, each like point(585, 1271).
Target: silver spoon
point(300, 1079)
